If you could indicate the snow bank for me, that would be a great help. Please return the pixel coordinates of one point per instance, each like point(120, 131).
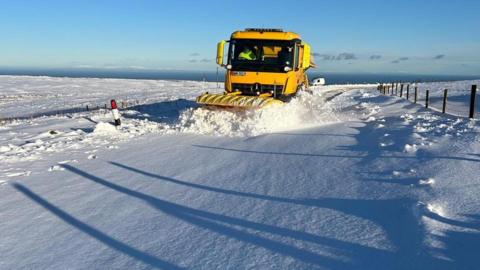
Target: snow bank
point(305, 110)
point(105, 129)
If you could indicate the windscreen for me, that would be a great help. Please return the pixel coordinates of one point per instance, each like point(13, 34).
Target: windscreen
point(261, 55)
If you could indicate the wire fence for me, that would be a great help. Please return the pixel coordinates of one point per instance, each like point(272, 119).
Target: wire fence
point(458, 102)
point(79, 108)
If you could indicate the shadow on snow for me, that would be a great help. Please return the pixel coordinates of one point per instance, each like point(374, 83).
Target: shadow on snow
point(165, 112)
point(393, 216)
point(94, 233)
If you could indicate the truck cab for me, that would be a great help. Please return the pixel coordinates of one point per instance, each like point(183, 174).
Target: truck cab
point(275, 67)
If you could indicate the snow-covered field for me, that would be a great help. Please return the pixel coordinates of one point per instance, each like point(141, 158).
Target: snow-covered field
point(343, 178)
point(22, 96)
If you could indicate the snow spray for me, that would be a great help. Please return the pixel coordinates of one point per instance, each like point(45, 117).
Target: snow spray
point(116, 114)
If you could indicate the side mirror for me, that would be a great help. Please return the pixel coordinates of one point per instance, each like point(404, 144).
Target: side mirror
point(306, 56)
point(220, 49)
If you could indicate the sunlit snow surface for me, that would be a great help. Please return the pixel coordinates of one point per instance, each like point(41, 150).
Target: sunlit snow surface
point(342, 178)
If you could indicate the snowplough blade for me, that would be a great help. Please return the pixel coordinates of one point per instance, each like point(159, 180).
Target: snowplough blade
point(236, 101)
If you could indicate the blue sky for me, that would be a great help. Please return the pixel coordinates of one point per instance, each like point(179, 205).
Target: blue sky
point(410, 36)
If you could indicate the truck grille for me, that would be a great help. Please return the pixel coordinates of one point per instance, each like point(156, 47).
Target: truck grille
point(252, 89)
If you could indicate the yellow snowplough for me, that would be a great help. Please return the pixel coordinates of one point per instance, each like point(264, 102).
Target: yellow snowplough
point(263, 67)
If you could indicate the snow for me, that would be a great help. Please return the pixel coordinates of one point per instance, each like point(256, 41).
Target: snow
point(344, 178)
point(410, 148)
point(305, 111)
point(429, 181)
point(23, 96)
point(105, 129)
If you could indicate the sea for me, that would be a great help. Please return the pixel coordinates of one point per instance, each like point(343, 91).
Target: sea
point(214, 76)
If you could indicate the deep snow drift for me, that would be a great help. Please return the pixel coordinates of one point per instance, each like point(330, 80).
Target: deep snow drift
point(341, 179)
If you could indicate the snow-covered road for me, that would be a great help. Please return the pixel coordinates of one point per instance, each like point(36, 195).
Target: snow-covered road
point(364, 182)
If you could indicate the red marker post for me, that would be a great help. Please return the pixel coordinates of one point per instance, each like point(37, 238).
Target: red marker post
point(115, 112)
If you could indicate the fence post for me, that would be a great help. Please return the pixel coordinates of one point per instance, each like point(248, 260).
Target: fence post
point(416, 88)
point(408, 90)
point(396, 89)
point(115, 113)
point(472, 101)
point(401, 90)
point(426, 98)
point(444, 100)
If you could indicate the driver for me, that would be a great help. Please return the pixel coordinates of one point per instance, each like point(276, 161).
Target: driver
point(247, 54)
